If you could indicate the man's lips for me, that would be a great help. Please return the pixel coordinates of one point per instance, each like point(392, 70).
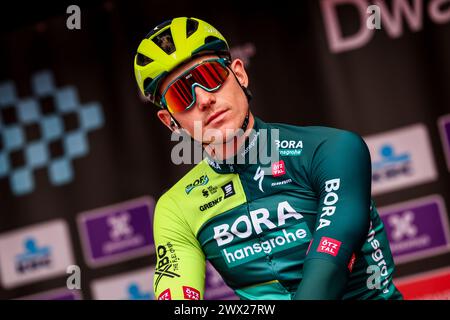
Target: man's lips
point(214, 116)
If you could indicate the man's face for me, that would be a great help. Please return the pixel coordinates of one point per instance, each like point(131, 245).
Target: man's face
point(215, 115)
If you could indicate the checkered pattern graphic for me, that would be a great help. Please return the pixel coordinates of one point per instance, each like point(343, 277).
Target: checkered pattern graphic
point(47, 130)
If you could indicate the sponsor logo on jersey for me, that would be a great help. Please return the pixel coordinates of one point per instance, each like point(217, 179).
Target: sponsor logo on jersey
point(190, 293)
point(259, 176)
point(208, 191)
point(228, 190)
point(289, 147)
point(210, 204)
point(329, 245)
point(378, 257)
point(309, 246)
point(330, 200)
point(203, 180)
point(280, 234)
point(351, 263)
point(280, 183)
point(278, 168)
point(167, 263)
point(165, 295)
point(244, 225)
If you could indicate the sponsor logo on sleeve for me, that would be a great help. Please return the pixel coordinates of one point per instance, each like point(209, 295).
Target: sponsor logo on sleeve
point(351, 262)
point(190, 293)
point(202, 181)
point(330, 202)
point(165, 295)
point(329, 245)
point(377, 259)
point(167, 263)
point(309, 246)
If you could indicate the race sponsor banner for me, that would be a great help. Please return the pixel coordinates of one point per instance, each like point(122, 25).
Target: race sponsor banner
point(431, 285)
point(57, 294)
point(444, 130)
point(416, 229)
point(135, 285)
point(215, 287)
point(401, 158)
point(35, 253)
point(117, 232)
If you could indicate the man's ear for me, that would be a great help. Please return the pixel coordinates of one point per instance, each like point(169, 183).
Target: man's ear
point(165, 117)
point(239, 70)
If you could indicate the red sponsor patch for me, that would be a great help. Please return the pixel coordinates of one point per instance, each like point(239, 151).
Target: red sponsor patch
point(329, 245)
point(191, 293)
point(309, 247)
point(278, 168)
point(165, 295)
point(351, 263)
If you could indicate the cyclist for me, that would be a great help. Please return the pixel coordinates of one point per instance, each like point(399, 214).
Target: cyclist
point(302, 226)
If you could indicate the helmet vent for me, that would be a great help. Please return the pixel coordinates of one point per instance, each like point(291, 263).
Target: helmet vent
point(142, 60)
point(147, 82)
point(211, 39)
point(158, 28)
point(164, 40)
point(191, 27)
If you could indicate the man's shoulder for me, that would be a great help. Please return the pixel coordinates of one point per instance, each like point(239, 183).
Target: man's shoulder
point(316, 132)
point(313, 136)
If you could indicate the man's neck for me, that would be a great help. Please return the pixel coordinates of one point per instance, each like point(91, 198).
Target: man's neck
point(230, 148)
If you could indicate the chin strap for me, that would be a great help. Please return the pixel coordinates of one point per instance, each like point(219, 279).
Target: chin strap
point(246, 119)
point(249, 96)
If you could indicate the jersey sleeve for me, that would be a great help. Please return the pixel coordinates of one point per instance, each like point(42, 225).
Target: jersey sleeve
point(180, 261)
point(341, 177)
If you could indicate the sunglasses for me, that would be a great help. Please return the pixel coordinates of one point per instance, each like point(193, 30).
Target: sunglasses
point(208, 75)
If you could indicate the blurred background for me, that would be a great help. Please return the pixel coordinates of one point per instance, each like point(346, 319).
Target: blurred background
point(83, 157)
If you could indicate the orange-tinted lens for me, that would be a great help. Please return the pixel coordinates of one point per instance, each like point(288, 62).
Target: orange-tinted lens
point(210, 75)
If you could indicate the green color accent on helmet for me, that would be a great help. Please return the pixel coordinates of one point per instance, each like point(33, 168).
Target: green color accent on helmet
point(171, 44)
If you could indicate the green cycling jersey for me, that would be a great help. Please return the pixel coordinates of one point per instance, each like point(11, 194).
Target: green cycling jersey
point(301, 227)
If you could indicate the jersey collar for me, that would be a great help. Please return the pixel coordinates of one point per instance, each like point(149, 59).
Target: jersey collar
point(247, 154)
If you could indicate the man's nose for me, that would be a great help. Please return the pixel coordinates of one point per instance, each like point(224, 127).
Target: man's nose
point(204, 98)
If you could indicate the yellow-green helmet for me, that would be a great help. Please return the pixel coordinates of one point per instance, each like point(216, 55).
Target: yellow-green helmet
point(170, 44)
